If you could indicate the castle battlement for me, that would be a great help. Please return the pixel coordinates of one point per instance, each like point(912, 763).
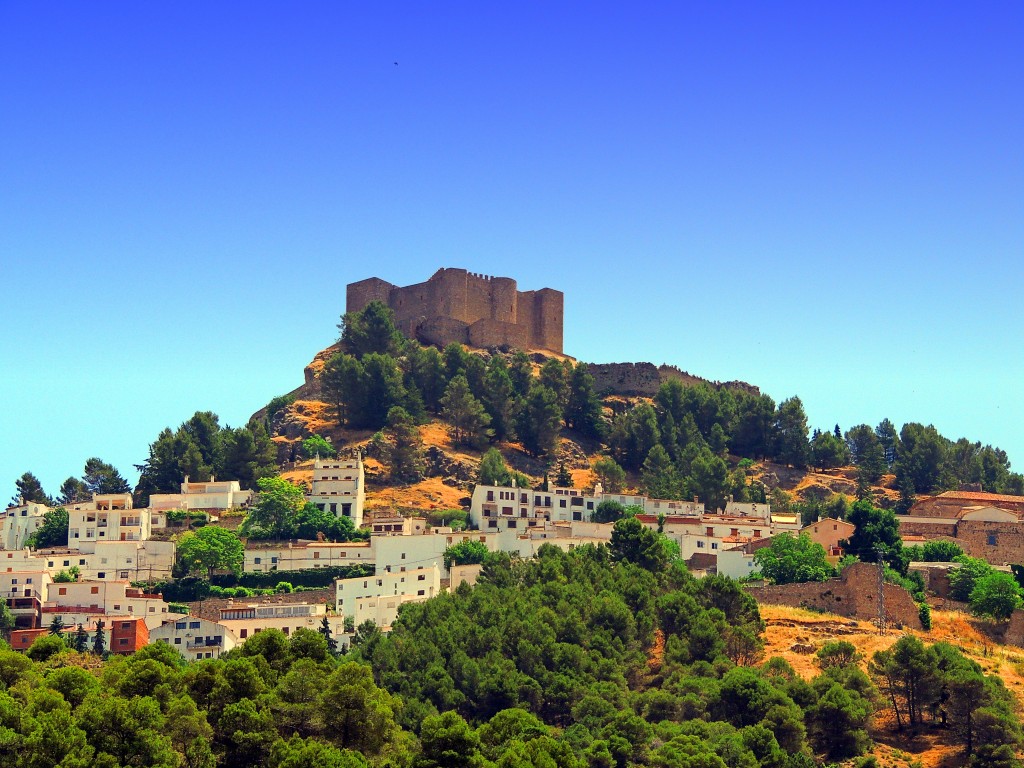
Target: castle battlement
point(456, 305)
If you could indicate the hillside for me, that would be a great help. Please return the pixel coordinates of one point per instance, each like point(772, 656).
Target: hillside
point(796, 634)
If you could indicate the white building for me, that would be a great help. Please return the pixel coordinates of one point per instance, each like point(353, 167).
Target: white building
point(18, 523)
point(108, 517)
point(81, 602)
point(339, 487)
point(208, 497)
point(306, 554)
point(397, 554)
point(195, 638)
point(113, 560)
point(377, 598)
point(246, 619)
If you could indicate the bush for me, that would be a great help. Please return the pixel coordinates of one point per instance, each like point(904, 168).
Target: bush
point(177, 608)
point(284, 587)
point(311, 577)
point(925, 614)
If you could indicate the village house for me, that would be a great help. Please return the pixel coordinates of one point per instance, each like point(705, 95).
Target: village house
point(195, 638)
point(84, 601)
point(377, 598)
point(993, 534)
point(303, 555)
point(212, 496)
point(245, 619)
point(339, 487)
point(20, 522)
point(108, 517)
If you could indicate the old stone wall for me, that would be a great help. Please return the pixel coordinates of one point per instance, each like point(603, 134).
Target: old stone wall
point(853, 594)
point(995, 542)
point(529, 320)
point(644, 379)
point(1015, 630)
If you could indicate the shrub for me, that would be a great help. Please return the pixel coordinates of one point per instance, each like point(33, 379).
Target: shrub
point(925, 614)
point(284, 587)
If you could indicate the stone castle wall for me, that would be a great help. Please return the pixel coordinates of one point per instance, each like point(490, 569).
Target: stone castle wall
point(853, 594)
point(459, 306)
point(644, 379)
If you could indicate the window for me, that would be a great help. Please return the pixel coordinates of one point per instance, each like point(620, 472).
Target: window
point(714, 545)
point(316, 555)
point(258, 560)
point(180, 625)
point(420, 592)
point(992, 539)
point(101, 575)
point(403, 555)
point(123, 641)
point(67, 563)
point(94, 590)
point(243, 634)
point(561, 503)
point(126, 625)
point(757, 533)
point(193, 625)
point(421, 577)
point(709, 531)
point(14, 581)
point(700, 545)
point(177, 641)
point(48, 565)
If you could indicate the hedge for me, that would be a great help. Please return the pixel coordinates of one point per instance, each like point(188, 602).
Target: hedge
point(194, 588)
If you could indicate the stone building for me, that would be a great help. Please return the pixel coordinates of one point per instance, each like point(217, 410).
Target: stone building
point(459, 306)
point(991, 533)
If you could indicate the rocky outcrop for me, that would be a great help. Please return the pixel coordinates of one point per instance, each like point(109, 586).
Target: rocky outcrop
point(452, 471)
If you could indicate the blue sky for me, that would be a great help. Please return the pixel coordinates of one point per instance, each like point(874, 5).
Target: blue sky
point(823, 199)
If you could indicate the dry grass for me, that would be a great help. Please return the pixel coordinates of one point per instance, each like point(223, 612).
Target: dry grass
point(430, 493)
point(795, 634)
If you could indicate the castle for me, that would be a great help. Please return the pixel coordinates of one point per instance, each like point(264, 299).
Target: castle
point(459, 306)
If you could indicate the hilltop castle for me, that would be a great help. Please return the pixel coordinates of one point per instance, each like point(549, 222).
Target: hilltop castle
point(459, 306)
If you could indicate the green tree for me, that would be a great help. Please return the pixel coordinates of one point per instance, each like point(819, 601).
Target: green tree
point(210, 549)
point(371, 330)
point(276, 503)
point(659, 476)
point(325, 630)
point(633, 542)
point(963, 579)
point(610, 474)
point(402, 447)
point(356, 713)
point(28, 490)
point(499, 398)
point(53, 532)
point(81, 643)
point(343, 381)
point(866, 452)
point(466, 552)
point(99, 640)
point(73, 491)
point(791, 559)
point(709, 479)
point(468, 421)
point(583, 411)
point(877, 531)
point(249, 454)
point(791, 445)
point(608, 512)
point(540, 421)
point(316, 445)
point(493, 470)
point(995, 596)
point(100, 477)
point(921, 459)
point(448, 742)
point(56, 626)
point(829, 451)
point(563, 478)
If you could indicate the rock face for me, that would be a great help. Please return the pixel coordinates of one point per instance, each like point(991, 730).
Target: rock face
point(644, 379)
point(452, 471)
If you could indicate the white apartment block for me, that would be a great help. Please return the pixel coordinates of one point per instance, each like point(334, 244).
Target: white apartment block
point(304, 555)
point(398, 554)
point(497, 508)
point(18, 523)
point(81, 602)
point(114, 560)
point(195, 638)
point(106, 518)
point(339, 487)
point(246, 619)
point(207, 497)
point(379, 597)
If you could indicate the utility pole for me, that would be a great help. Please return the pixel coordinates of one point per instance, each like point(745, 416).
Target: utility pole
point(881, 590)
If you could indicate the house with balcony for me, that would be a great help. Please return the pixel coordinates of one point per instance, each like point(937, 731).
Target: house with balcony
point(339, 487)
point(212, 496)
point(108, 517)
point(195, 638)
point(84, 601)
point(20, 522)
point(377, 598)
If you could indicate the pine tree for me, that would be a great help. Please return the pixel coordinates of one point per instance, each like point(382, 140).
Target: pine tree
point(403, 448)
point(325, 630)
point(583, 409)
point(81, 640)
point(499, 398)
point(99, 640)
point(28, 488)
point(564, 477)
point(56, 626)
point(540, 421)
point(469, 422)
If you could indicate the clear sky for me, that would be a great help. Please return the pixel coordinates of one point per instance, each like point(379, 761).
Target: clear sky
point(823, 199)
